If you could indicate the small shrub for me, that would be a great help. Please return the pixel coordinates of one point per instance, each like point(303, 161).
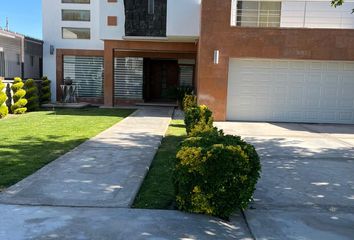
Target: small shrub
point(215, 174)
point(199, 117)
point(45, 95)
point(181, 92)
point(32, 95)
point(19, 97)
point(4, 111)
point(189, 101)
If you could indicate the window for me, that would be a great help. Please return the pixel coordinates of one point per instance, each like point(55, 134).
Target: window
point(32, 61)
point(76, 1)
point(258, 14)
point(76, 33)
point(87, 73)
point(18, 58)
point(76, 15)
point(151, 6)
point(2, 64)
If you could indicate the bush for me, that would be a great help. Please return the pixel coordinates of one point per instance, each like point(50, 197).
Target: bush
point(198, 118)
point(3, 108)
point(45, 95)
point(189, 101)
point(32, 95)
point(215, 174)
point(181, 92)
point(19, 97)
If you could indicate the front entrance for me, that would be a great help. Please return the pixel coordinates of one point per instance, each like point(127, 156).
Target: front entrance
point(161, 80)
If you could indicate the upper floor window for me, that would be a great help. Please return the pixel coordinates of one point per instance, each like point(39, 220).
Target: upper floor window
point(76, 33)
point(76, 15)
point(151, 6)
point(257, 13)
point(76, 1)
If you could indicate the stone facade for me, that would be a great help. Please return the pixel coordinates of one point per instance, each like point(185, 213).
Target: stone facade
point(138, 21)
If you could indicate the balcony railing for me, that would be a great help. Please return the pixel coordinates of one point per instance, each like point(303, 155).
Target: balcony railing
point(297, 14)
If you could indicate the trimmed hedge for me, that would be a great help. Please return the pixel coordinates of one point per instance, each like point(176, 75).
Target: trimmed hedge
point(4, 111)
point(19, 97)
point(31, 95)
point(198, 119)
point(215, 174)
point(189, 101)
point(45, 94)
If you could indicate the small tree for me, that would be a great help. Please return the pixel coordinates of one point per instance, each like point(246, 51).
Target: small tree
point(19, 97)
point(3, 108)
point(337, 3)
point(31, 95)
point(45, 94)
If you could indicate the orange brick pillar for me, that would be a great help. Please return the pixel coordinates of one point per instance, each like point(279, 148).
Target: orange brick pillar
point(108, 75)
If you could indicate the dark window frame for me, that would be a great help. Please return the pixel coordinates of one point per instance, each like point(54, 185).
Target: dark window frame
point(76, 28)
point(76, 1)
point(76, 20)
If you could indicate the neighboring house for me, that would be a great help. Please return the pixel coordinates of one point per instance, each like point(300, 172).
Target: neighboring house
point(20, 56)
point(248, 60)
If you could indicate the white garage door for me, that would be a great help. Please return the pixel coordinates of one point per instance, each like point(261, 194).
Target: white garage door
point(291, 91)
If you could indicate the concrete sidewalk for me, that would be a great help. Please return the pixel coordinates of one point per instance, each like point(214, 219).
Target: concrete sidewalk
point(307, 185)
point(67, 223)
point(105, 171)
point(86, 193)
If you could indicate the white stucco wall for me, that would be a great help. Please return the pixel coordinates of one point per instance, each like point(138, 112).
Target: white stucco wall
point(52, 33)
point(183, 18)
point(112, 9)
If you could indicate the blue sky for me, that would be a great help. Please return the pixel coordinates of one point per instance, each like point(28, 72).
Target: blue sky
point(25, 16)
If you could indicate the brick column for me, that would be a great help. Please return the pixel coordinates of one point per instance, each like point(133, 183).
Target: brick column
point(108, 75)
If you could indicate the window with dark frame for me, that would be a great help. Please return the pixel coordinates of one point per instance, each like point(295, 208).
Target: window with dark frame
point(32, 61)
point(2, 64)
point(76, 33)
point(76, 15)
point(258, 13)
point(18, 56)
point(151, 7)
point(76, 1)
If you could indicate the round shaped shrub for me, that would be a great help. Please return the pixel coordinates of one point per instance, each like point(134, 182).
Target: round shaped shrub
point(215, 174)
point(32, 95)
point(18, 96)
point(198, 117)
point(4, 111)
point(45, 94)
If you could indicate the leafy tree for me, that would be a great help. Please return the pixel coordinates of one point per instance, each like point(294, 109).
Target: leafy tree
point(32, 95)
point(337, 3)
point(19, 97)
point(45, 94)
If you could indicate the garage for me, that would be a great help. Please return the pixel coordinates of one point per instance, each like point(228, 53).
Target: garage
point(291, 91)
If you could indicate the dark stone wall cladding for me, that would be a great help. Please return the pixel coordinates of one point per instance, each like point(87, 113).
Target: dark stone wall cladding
point(139, 22)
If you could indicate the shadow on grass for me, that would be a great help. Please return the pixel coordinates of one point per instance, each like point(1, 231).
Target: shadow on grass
point(17, 161)
point(92, 111)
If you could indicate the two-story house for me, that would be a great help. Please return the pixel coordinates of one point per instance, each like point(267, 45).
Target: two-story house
point(248, 60)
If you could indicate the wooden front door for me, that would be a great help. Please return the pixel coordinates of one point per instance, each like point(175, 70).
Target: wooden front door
point(163, 79)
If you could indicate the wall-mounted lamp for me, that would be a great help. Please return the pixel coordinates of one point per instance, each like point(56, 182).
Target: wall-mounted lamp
point(51, 49)
point(216, 56)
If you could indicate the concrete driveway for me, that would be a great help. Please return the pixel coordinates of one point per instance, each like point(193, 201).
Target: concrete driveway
point(307, 185)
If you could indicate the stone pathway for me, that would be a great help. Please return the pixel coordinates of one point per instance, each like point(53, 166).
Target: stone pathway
point(86, 193)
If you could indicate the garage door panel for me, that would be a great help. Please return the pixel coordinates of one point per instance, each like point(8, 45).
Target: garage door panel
point(291, 91)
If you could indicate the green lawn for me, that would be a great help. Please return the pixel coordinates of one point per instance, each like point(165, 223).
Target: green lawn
point(157, 191)
point(30, 141)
